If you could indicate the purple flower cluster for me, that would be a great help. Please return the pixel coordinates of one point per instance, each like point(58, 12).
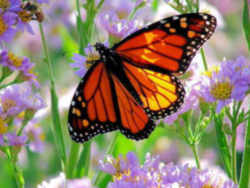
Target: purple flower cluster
point(21, 64)
point(116, 26)
point(114, 18)
point(82, 63)
point(35, 136)
point(230, 83)
point(127, 172)
point(16, 100)
point(14, 17)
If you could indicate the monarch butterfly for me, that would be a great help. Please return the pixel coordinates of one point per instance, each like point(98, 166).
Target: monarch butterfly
point(134, 82)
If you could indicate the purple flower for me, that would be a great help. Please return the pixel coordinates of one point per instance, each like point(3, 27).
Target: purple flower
point(22, 64)
point(24, 20)
point(11, 102)
point(117, 27)
point(78, 63)
point(82, 63)
point(124, 165)
point(10, 5)
point(60, 13)
point(7, 20)
point(230, 83)
point(154, 173)
point(42, 1)
point(14, 140)
point(35, 136)
point(1, 140)
point(18, 98)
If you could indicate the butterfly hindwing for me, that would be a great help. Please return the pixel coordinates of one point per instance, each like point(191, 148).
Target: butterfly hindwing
point(161, 94)
point(169, 45)
point(134, 122)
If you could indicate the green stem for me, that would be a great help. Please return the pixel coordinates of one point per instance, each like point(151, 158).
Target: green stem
point(224, 149)
point(6, 85)
point(245, 173)
point(73, 156)
point(99, 6)
point(24, 123)
point(84, 161)
point(109, 151)
point(204, 61)
point(79, 27)
point(197, 5)
point(195, 152)
point(57, 128)
point(189, 5)
point(234, 122)
point(87, 154)
point(17, 172)
point(233, 161)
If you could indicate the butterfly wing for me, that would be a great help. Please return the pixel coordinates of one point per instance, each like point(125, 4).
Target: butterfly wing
point(134, 122)
point(169, 45)
point(161, 94)
point(92, 109)
point(101, 104)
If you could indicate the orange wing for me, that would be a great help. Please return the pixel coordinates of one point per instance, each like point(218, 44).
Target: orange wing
point(161, 94)
point(101, 104)
point(168, 45)
point(134, 122)
point(92, 110)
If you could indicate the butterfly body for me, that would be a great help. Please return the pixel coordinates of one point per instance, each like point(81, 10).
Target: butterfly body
point(134, 82)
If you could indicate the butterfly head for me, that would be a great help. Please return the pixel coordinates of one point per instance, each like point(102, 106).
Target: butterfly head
point(102, 50)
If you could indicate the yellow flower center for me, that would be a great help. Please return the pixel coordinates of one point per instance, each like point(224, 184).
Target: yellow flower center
point(4, 4)
point(16, 61)
point(7, 104)
point(25, 15)
point(21, 115)
point(42, 136)
point(214, 68)
point(3, 128)
point(221, 90)
point(91, 58)
point(3, 26)
point(208, 186)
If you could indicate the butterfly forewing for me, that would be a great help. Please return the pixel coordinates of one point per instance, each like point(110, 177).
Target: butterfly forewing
point(169, 45)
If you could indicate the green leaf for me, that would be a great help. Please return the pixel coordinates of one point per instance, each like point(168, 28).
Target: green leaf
point(69, 45)
point(155, 5)
point(245, 174)
point(123, 145)
point(56, 123)
point(222, 142)
point(84, 161)
point(72, 160)
point(106, 178)
point(246, 22)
